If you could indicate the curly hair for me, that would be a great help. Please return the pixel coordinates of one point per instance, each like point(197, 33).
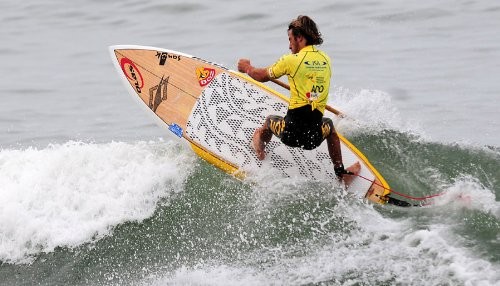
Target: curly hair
point(305, 27)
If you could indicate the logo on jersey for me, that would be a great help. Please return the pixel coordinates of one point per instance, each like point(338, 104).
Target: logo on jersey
point(315, 92)
point(312, 96)
point(205, 75)
point(315, 63)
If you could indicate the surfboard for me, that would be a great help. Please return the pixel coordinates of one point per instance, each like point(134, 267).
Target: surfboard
point(215, 110)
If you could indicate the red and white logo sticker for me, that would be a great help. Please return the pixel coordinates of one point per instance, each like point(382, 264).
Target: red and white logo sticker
point(132, 73)
point(205, 75)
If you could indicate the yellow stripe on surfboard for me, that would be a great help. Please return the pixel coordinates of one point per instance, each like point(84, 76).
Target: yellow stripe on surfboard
point(218, 162)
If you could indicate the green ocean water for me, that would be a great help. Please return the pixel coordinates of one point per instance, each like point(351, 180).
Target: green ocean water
point(217, 230)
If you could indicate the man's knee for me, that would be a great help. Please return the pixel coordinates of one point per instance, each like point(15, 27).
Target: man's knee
point(275, 124)
point(269, 118)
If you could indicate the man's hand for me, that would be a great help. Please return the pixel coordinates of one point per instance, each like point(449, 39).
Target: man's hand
point(244, 65)
point(259, 74)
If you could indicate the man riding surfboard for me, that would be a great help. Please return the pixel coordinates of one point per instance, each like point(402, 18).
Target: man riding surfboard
point(309, 72)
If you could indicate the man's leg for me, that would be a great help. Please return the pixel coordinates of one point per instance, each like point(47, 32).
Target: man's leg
point(333, 141)
point(262, 136)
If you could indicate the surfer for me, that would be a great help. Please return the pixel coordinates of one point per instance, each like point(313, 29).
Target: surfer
point(309, 72)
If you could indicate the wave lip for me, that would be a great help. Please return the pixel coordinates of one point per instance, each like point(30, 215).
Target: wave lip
point(70, 194)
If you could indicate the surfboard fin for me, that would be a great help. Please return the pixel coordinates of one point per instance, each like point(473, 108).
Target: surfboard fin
point(399, 203)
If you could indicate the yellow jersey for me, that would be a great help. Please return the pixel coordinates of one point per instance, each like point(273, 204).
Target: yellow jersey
point(309, 73)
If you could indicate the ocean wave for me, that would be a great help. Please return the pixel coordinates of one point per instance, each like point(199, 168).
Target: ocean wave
point(69, 194)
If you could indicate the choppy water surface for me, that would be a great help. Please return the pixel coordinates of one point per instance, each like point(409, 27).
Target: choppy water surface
point(91, 194)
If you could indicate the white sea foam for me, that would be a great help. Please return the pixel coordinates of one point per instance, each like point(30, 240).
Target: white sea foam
point(210, 275)
point(73, 193)
point(469, 193)
point(386, 250)
point(370, 110)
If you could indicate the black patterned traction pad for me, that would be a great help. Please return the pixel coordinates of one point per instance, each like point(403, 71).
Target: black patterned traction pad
point(225, 117)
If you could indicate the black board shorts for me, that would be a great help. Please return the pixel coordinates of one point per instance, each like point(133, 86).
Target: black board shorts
point(301, 127)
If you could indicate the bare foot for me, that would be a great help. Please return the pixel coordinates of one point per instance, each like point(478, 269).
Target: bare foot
point(354, 168)
point(258, 144)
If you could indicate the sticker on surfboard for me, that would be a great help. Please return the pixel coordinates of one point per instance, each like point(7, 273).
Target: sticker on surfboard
point(205, 75)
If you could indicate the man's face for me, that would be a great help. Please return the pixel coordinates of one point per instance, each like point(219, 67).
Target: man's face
point(294, 42)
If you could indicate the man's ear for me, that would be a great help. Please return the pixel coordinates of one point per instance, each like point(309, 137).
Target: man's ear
point(301, 38)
